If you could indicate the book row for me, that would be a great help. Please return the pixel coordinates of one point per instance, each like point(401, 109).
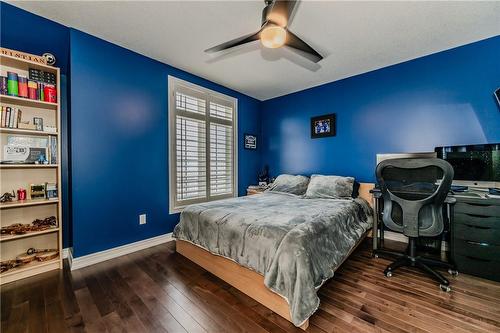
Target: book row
point(12, 117)
point(39, 86)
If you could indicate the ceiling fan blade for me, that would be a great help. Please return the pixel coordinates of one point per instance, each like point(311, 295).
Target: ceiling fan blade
point(235, 42)
point(298, 44)
point(281, 12)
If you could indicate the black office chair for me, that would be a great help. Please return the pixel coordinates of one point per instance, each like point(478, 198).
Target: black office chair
point(414, 191)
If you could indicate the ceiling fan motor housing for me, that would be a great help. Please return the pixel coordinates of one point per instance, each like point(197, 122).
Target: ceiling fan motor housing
point(265, 11)
point(274, 32)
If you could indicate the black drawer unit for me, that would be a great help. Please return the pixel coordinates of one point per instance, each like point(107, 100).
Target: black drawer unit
point(475, 237)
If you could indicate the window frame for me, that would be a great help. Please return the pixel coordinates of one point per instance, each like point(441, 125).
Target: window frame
point(210, 95)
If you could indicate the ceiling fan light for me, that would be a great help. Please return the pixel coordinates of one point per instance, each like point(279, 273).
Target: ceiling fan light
point(273, 36)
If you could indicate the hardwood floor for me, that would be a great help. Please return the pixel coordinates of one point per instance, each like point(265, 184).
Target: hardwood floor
point(157, 290)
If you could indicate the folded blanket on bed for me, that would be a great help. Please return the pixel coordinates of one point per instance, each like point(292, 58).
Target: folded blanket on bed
point(295, 243)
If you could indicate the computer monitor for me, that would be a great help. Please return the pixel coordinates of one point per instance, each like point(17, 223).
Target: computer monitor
point(474, 165)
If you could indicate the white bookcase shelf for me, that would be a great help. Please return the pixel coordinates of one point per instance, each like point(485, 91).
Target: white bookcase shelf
point(28, 102)
point(28, 234)
point(14, 176)
point(27, 203)
point(28, 166)
point(25, 131)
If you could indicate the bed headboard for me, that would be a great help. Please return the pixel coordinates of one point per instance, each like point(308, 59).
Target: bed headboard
point(364, 192)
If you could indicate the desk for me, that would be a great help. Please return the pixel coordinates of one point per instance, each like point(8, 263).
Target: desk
point(475, 235)
point(474, 222)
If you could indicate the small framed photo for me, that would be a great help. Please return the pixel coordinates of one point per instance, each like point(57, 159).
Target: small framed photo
point(250, 141)
point(38, 122)
point(323, 126)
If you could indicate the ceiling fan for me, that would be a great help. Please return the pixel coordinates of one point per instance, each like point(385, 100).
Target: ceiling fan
point(274, 31)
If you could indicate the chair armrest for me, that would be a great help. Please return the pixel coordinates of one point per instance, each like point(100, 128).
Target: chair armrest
point(450, 200)
point(376, 192)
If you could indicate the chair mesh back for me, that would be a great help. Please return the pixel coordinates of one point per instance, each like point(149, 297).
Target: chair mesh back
point(414, 191)
point(411, 184)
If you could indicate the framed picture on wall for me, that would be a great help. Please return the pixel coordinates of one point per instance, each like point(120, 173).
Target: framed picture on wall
point(250, 141)
point(323, 126)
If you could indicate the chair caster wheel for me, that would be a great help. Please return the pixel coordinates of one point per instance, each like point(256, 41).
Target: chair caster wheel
point(445, 288)
point(388, 274)
point(453, 272)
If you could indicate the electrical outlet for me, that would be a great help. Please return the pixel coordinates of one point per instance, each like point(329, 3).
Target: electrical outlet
point(142, 219)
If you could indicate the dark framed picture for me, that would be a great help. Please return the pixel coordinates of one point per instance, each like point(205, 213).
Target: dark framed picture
point(38, 122)
point(323, 126)
point(250, 141)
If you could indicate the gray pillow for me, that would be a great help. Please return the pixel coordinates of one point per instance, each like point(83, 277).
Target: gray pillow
point(290, 184)
point(330, 187)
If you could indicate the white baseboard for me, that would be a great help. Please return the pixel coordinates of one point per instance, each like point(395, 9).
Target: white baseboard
point(65, 253)
point(94, 258)
point(70, 256)
point(395, 236)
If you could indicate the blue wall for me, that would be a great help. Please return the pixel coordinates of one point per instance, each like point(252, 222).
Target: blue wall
point(119, 143)
point(442, 99)
point(23, 31)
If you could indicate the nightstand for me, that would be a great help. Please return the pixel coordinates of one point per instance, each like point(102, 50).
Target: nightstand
point(254, 189)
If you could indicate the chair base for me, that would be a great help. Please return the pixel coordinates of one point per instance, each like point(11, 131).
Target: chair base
point(410, 259)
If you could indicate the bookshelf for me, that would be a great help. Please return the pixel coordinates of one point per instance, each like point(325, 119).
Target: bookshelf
point(28, 102)
point(28, 166)
point(14, 176)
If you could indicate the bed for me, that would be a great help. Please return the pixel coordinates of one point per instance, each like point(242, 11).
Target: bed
point(276, 248)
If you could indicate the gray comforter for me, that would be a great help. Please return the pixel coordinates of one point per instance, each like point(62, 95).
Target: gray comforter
point(295, 243)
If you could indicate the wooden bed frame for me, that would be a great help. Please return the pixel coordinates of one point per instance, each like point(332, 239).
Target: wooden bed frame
point(245, 280)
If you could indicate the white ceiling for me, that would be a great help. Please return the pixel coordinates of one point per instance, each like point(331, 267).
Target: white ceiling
point(354, 37)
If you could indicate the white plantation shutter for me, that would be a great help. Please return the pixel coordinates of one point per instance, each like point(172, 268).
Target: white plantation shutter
point(221, 159)
point(221, 111)
point(190, 158)
point(202, 146)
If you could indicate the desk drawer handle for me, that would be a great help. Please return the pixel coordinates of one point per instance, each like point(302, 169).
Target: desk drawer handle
point(478, 259)
point(477, 227)
point(477, 243)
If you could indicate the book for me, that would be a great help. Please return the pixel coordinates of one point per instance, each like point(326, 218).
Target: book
point(13, 121)
point(7, 116)
point(2, 118)
point(13, 117)
point(19, 117)
point(52, 149)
